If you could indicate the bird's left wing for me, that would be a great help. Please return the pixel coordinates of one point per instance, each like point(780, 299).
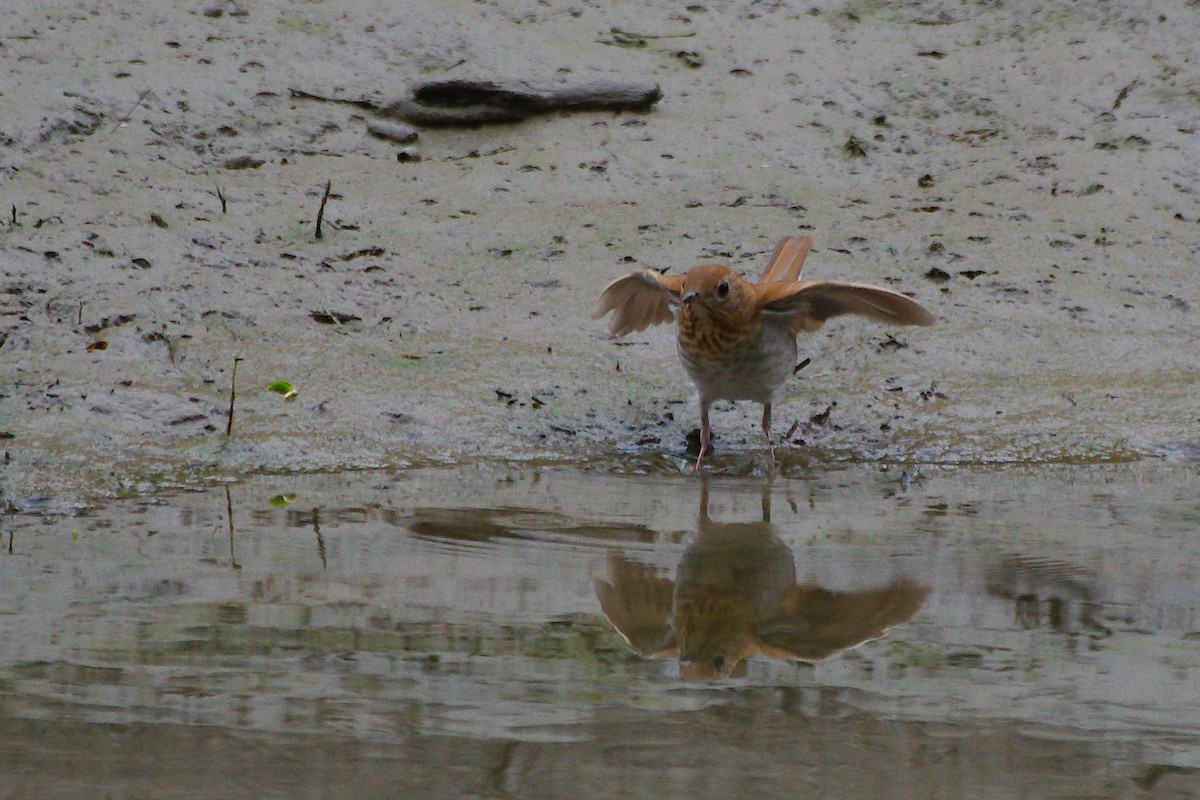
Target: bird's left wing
point(814, 623)
point(639, 300)
point(817, 301)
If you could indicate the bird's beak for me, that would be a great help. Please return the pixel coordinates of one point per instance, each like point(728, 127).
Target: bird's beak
point(688, 296)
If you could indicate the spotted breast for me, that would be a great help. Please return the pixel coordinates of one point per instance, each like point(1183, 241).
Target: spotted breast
point(730, 359)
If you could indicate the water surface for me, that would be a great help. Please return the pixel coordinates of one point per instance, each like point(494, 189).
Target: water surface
point(496, 631)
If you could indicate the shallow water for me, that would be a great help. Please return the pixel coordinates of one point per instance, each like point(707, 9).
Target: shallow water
point(1004, 632)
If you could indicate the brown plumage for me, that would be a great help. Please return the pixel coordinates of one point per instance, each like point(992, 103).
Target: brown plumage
point(737, 339)
point(735, 594)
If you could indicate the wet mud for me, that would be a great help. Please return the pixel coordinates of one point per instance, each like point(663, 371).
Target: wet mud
point(1027, 174)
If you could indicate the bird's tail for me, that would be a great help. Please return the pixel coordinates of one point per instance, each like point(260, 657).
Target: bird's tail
point(788, 260)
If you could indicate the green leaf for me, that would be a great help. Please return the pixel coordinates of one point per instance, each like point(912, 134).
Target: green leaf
point(284, 388)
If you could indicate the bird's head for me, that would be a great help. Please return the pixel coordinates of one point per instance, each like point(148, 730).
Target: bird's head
point(715, 635)
point(714, 293)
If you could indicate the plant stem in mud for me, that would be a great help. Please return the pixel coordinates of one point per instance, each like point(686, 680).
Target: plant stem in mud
point(232, 397)
point(321, 210)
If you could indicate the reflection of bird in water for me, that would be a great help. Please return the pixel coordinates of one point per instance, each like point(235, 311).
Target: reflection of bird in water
point(734, 595)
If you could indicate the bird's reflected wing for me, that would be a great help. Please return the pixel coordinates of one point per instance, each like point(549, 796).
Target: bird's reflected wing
point(639, 300)
point(816, 301)
point(637, 600)
point(788, 260)
point(813, 623)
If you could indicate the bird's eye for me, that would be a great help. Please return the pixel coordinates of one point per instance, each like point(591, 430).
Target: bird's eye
point(723, 289)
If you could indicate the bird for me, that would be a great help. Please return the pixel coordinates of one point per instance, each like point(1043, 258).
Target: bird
point(737, 338)
point(735, 594)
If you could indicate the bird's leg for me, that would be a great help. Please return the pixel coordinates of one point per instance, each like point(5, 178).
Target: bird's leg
point(705, 434)
point(766, 426)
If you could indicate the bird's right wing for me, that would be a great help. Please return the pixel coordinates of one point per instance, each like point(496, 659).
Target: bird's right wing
point(639, 300)
point(788, 260)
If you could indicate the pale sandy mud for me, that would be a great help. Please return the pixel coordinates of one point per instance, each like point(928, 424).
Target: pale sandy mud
point(1059, 141)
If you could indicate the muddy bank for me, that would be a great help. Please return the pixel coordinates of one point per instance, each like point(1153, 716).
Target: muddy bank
point(161, 185)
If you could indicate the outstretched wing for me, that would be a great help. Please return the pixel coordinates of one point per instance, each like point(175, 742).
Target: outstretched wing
point(814, 623)
point(788, 260)
point(816, 301)
point(639, 300)
point(637, 601)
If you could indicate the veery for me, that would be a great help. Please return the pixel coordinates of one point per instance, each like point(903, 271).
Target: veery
point(737, 339)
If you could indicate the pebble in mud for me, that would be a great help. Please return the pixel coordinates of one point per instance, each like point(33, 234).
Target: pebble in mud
point(392, 131)
point(244, 162)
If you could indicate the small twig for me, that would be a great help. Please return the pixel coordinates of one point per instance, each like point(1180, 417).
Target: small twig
point(477, 154)
point(300, 94)
point(79, 321)
point(631, 35)
point(321, 210)
point(125, 118)
point(232, 397)
point(14, 216)
point(221, 196)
